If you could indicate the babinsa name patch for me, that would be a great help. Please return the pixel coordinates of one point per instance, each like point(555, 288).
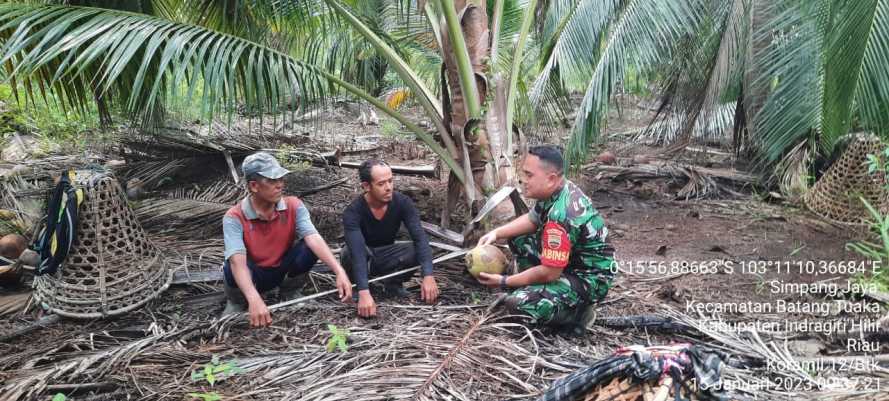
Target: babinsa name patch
point(556, 245)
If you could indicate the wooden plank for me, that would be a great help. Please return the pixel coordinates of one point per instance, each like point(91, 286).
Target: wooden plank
point(322, 187)
point(668, 170)
point(445, 247)
point(187, 277)
point(231, 165)
point(424, 171)
point(442, 233)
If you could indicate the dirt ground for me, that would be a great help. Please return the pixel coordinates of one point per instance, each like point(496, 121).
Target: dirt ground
point(654, 234)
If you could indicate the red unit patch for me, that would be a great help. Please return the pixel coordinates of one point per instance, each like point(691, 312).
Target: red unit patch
point(556, 247)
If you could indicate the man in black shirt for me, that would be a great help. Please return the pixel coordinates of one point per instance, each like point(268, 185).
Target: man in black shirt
point(371, 224)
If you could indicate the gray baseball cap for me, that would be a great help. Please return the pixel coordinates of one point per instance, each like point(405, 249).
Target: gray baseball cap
point(263, 164)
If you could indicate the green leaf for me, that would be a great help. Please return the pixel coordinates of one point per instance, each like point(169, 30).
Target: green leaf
point(206, 396)
point(208, 374)
point(222, 368)
point(331, 344)
point(59, 397)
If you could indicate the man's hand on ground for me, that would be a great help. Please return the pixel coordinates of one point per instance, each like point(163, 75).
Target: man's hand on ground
point(344, 287)
point(259, 314)
point(429, 290)
point(488, 238)
point(490, 280)
point(366, 305)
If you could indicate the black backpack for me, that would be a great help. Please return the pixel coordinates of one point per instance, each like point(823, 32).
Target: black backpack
point(61, 224)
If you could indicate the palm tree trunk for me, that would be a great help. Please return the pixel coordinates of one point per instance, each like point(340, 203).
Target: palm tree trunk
point(755, 93)
point(471, 136)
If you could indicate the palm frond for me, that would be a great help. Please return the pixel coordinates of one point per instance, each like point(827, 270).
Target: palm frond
point(728, 67)
point(394, 59)
point(510, 23)
point(788, 69)
point(848, 37)
point(872, 96)
point(572, 35)
point(704, 69)
point(642, 35)
point(824, 65)
point(27, 210)
point(74, 51)
point(356, 59)
point(792, 171)
point(243, 18)
point(191, 213)
point(707, 126)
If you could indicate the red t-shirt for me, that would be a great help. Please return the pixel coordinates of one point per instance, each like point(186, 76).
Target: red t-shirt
point(266, 241)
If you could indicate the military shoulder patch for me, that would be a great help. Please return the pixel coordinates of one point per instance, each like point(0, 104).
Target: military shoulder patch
point(556, 245)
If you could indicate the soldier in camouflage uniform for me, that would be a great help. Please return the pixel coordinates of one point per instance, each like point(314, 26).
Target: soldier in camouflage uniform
point(561, 248)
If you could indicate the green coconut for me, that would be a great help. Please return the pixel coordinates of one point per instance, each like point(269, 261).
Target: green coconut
point(485, 258)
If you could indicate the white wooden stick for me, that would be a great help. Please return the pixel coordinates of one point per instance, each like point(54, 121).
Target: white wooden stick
point(440, 259)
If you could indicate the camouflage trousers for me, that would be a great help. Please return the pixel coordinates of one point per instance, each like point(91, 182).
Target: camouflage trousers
point(555, 303)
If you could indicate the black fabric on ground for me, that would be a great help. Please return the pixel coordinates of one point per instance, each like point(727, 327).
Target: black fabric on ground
point(638, 362)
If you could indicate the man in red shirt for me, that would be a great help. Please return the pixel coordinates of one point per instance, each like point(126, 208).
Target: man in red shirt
point(269, 236)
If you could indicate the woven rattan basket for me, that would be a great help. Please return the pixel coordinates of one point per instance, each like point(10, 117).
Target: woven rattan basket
point(112, 267)
point(836, 196)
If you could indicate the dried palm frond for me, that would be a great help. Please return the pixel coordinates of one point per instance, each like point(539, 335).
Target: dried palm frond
point(792, 171)
point(406, 354)
point(189, 212)
point(397, 97)
point(150, 173)
point(668, 128)
point(219, 192)
point(199, 255)
point(24, 199)
point(30, 382)
point(13, 303)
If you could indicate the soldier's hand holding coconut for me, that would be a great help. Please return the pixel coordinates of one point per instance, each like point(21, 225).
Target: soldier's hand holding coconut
point(565, 262)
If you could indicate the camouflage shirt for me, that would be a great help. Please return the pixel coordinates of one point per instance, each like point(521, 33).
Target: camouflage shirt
point(572, 233)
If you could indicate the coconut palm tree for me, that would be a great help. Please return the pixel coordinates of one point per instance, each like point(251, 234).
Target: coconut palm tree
point(789, 77)
point(141, 57)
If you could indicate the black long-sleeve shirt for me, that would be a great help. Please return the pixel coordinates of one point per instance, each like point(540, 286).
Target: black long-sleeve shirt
point(362, 228)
